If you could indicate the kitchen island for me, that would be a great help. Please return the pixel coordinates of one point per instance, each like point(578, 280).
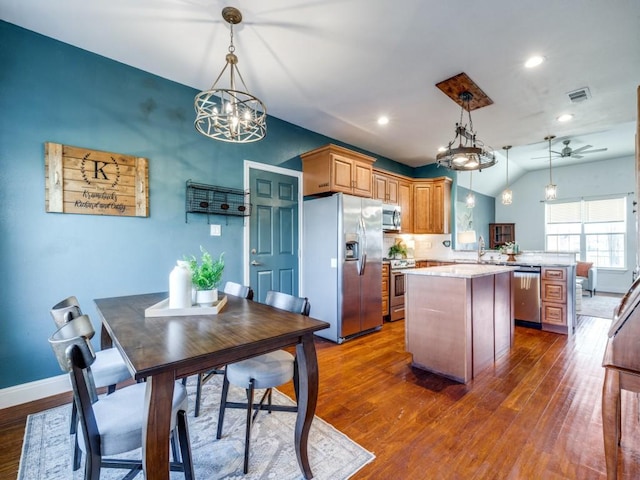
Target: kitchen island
point(459, 318)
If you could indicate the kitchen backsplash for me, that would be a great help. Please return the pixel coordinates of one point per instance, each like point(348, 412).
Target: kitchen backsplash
point(419, 246)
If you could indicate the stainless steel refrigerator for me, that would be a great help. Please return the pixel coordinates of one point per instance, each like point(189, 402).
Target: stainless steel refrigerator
point(342, 264)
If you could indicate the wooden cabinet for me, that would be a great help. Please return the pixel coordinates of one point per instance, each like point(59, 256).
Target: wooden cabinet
point(385, 188)
point(432, 205)
point(468, 325)
point(501, 233)
point(405, 200)
point(554, 296)
point(385, 289)
point(336, 169)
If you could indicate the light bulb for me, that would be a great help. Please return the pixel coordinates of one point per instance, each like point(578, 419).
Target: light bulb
point(507, 197)
point(471, 200)
point(550, 192)
point(472, 162)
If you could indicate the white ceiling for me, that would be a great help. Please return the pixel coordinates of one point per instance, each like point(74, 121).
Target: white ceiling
point(334, 66)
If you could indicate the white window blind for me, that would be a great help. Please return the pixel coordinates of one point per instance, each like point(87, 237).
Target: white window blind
point(610, 210)
point(594, 229)
point(564, 212)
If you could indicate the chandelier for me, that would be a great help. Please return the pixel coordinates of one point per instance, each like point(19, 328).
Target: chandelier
point(551, 190)
point(229, 114)
point(507, 194)
point(470, 154)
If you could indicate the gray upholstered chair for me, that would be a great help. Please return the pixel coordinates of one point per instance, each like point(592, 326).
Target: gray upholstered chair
point(262, 372)
point(588, 273)
point(113, 424)
point(238, 290)
point(108, 368)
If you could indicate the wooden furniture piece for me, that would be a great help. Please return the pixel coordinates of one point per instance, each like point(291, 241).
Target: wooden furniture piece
point(336, 169)
point(163, 349)
point(111, 425)
point(231, 288)
point(432, 205)
point(108, 369)
point(405, 200)
point(622, 372)
point(263, 372)
point(501, 233)
point(458, 318)
point(385, 188)
point(398, 190)
point(557, 291)
point(385, 289)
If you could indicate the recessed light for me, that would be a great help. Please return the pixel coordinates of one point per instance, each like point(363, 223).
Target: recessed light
point(534, 61)
point(383, 120)
point(565, 117)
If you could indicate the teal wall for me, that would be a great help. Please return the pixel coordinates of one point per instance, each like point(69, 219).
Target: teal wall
point(53, 92)
point(483, 213)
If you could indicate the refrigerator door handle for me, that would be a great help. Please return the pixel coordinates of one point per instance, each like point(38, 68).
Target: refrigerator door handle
point(363, 261)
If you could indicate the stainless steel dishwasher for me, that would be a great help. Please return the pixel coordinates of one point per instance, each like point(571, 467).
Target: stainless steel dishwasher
point(526, 296)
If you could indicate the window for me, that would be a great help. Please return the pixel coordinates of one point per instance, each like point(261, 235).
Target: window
point(595, 229)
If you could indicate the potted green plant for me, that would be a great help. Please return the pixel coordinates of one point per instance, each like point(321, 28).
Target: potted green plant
point(397, 250)
point(206, 276)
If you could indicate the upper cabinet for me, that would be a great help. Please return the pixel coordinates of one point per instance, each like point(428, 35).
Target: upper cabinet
point(501, 233)
point(405, 200)
point(336, 169)
point(432, 205)
point(385, 187)
point(425, 203)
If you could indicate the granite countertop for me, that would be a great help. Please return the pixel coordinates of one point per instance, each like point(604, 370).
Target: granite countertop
point(519, 261)
point(461, 270)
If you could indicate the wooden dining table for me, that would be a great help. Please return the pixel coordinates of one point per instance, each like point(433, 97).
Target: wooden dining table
point(163, 349)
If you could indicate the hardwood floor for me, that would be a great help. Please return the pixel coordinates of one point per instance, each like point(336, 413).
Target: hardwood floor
point(534, 414)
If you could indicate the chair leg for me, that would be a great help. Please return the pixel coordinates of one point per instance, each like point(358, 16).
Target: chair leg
point(247, 440)
point(185, 445)
point(77, 454)
point(174, 447)
point(223, 405)
point(198, 395)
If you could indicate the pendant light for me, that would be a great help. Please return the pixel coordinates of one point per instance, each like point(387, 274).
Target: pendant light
point(471, 198)
point(507, 194)
point(471, 153)
point(229, 114)
point(551, 190)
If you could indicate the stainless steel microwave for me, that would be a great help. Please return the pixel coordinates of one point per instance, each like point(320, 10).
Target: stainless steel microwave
point(391, 218)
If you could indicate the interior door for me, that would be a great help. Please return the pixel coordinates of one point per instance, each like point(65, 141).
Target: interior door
point(273, 239)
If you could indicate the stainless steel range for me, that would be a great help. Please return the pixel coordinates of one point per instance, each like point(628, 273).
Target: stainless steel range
point(396, 286)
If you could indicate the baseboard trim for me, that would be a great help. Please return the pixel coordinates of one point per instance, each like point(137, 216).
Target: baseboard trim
point(29, 392)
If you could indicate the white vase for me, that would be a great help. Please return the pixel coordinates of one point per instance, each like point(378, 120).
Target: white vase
point(206, 298)
point(180, 286)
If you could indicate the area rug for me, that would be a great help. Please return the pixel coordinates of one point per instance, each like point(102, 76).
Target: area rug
point(46, 452)
point(599, 306)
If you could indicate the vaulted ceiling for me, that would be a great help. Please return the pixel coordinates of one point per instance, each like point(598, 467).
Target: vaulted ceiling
point(335, 66)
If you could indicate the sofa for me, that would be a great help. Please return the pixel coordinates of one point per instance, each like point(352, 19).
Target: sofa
point(586, 272)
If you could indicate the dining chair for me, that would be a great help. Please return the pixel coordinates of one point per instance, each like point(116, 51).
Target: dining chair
point(108, 369)
point(113, 424)
point(238, 290)
point(262, 372)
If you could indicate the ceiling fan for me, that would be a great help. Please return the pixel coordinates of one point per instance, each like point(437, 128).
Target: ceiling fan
point(568, 152)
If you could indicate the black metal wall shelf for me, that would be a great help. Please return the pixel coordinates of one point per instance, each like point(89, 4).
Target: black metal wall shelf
point(214, 200)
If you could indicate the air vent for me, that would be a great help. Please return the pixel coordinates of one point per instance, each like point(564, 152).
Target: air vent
point(579, 95)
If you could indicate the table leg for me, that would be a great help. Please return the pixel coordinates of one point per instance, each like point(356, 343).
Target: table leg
point(307, 399)
point(610, 420)
point(155, 435)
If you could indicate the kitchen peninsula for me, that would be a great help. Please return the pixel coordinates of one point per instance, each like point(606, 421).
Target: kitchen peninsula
point(459, 318)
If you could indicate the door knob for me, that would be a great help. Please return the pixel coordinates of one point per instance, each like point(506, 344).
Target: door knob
point(255, 264)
